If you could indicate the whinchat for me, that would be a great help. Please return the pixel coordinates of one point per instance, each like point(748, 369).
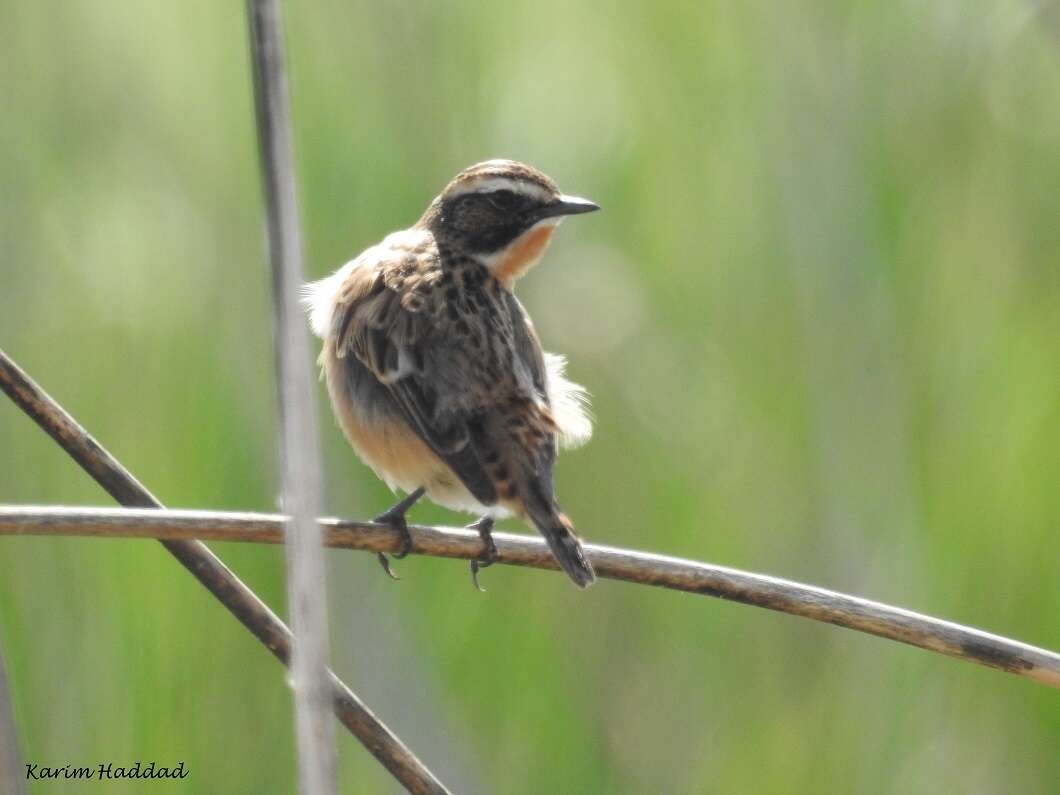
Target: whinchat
point(435, 371)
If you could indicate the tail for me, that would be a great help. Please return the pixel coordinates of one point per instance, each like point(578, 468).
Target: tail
point(566, 547)
point(539, 505)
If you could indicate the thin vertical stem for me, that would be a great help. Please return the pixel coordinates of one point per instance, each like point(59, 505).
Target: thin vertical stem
point(11, 780)
point(299, 446)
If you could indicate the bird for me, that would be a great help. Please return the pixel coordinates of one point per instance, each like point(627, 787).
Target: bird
point(434, 369)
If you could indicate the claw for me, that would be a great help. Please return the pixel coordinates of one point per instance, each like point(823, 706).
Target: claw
point(395, 517)
point(384, 561)
point(484, 526)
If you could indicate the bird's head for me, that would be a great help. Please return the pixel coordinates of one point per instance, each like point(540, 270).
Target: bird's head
point(501, 213)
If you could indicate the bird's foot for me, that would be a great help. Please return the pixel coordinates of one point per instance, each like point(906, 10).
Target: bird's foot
point(484, 526)
point(395, 518)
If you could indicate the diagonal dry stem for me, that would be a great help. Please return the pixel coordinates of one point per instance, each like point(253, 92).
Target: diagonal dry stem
point(208, 569)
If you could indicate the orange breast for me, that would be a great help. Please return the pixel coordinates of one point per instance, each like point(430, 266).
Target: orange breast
point(524, 252)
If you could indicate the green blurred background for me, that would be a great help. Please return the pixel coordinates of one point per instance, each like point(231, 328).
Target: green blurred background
point(820, 318)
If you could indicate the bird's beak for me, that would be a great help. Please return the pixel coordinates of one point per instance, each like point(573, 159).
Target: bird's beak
point(567, 205)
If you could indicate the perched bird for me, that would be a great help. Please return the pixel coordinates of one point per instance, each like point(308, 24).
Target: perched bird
point(434, 369)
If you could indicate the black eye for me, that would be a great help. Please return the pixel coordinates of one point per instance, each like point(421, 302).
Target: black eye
point(504, 199)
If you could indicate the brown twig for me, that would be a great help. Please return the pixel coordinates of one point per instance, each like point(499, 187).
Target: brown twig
point(808, 601)
point(208, 569)
point(299, 446)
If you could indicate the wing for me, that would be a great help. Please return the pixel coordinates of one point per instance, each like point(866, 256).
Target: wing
point(392, 317)
point(528, 347)
point(567, 402)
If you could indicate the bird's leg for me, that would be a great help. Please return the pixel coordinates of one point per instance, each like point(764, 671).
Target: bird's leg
point(395, 517)
point(484, 526)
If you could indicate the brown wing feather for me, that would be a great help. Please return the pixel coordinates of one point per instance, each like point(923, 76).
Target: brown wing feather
point(387, 318)
point(527, 346)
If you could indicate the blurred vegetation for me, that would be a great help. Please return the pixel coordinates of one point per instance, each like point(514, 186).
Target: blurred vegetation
point(820, 317)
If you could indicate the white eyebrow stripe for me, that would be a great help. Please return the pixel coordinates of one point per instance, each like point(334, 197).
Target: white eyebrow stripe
point(488, 184)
